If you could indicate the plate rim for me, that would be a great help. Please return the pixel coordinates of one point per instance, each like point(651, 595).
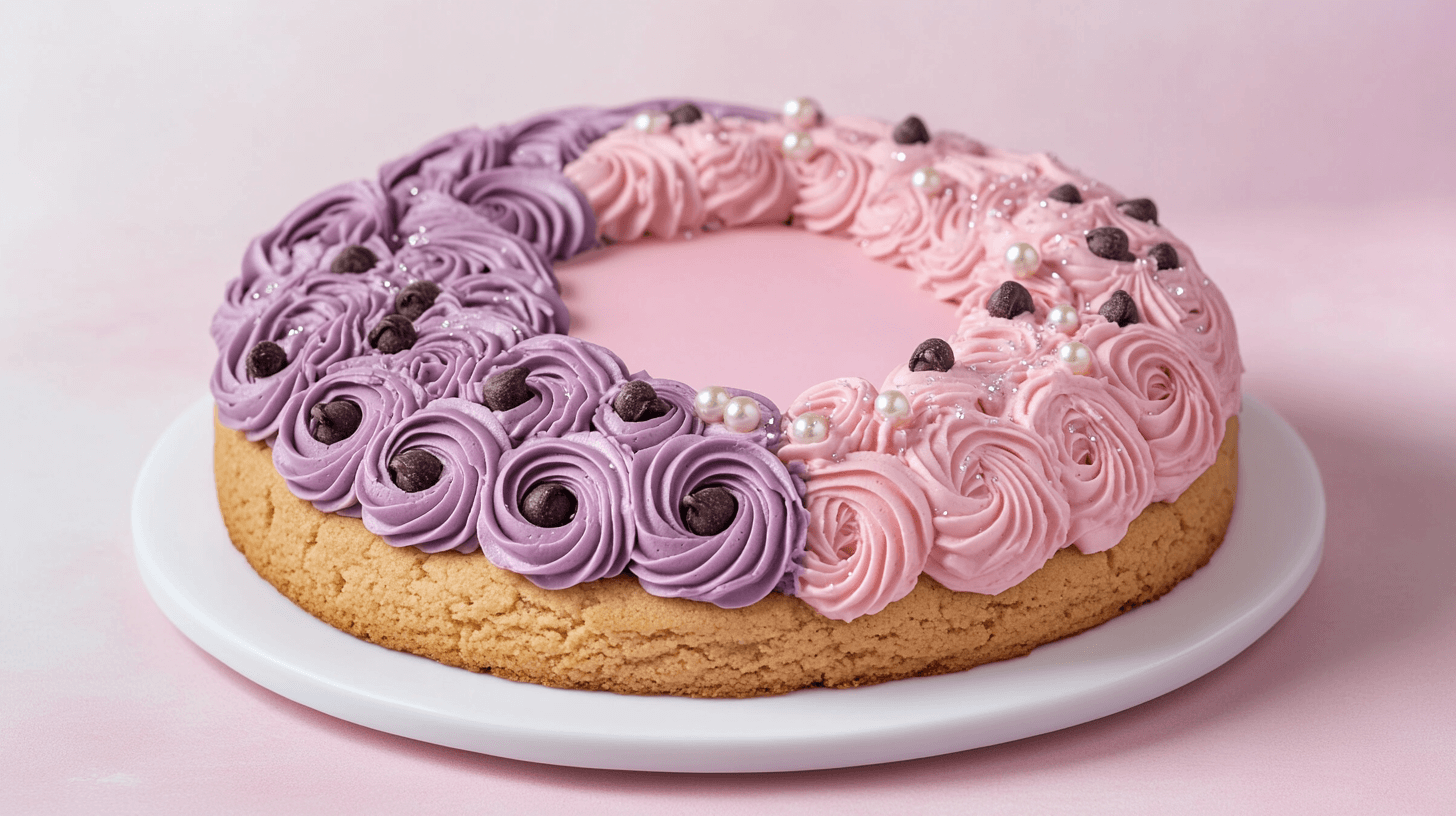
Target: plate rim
point(807, 729)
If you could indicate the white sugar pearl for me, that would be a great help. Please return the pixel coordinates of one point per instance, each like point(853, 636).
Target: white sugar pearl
point(652, 122)
point(809, 428)
point(1076, 356)
point(741, 415)
point(928, 180)
point(1023, 260)
point(1064, 318)
point(801, 113)
point(798, 145)
point(709, 403)
point(893, 406)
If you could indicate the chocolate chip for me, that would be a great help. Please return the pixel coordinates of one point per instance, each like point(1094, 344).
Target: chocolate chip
point(708, 511)
point(1009, 300)
point(638, 401)
point(1109, 243)
point(548, 504)
point(685, 114)
point(413, 300)
point(393, 334)
point(506, 389)
point(1067, 193)
point(334, 421)
point(1165, 256)
point(354, 260)
point(1119, 309)
point(415, 469)
point(910, 131)
point(1143, 209)
point(932, 355)
point(266, 359)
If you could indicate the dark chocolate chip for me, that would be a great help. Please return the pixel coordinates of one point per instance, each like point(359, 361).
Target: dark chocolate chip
point(1109, 243)
point(685, 114)
point(932, 355)
point(1119, 309)
point(354, 260)
point(1009, 300)
point(1066, 193)
point(334, 421)
point(910, 131)
point(415, 469)
point(638, 401)
point(393, 334)
point(1143, 209)
point(708, 511)
point(506, 389)
point(266, 359)
point(1165, 256)
point(413, 300)
point(548, 504)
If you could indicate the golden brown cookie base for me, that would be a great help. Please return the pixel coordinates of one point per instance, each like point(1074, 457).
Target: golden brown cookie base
point(611, 635)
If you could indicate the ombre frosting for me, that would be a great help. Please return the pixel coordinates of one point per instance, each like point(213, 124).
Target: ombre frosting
point(405, 294)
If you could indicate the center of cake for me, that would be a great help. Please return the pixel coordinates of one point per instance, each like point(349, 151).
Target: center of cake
point(769, 308)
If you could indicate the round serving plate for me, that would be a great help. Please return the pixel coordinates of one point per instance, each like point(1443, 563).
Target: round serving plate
point(208, 590)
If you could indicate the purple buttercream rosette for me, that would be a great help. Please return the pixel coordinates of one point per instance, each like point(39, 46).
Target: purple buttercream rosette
point(445, 240)
point(325, 474)
point(759, 550)
point(594, 543)
point(468, 442)
point(436, 166)
point(769, 432)
point(567, 378)
point(534, 305)
point(450, 348)
point(317, 320)
point(681, 418)
point(539, 205)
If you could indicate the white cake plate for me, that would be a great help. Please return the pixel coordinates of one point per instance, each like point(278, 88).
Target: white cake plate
point(208, 590)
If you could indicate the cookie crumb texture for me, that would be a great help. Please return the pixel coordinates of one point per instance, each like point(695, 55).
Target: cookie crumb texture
point(611, 635)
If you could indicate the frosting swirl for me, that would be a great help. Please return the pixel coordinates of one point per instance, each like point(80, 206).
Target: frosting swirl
point(745, 561)
point(538, 205)
point(468, 441)
point(741, 172)
point(531, 304)
point(869, 535)
point(997, 510)
point(594, 543)
point(769, 432)
point(567, 378)
point(1098, 455)
point(325, 474)
point(680, 420)
point(450, 350)
point(832, 182)
point(848, 404)
point(447, 241)
point(639, 184)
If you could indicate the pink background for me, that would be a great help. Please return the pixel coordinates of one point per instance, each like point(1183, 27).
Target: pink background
point(1304, 149)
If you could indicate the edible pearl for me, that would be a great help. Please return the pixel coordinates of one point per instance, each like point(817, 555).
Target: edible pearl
point(652, 122)
point(893, 406)
point(709, 403)
point(928, 180)
point(1076, 356)
point(1023, 260)
point(809, 428)
point(741, 415)
point(801, 113)
point(1064, 318)
point(798, 145)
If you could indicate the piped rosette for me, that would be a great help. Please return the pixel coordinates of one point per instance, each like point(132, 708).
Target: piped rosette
point(445, 241)
point(869, 535)
point(536, 204)
point(834, 419)
point(548, 385)
point(718, 519)
point(1098, 455)
point(449, 349)
point(325, 431)
point(426, 482)
point(560, 512)
point(639, 418)
point(639, 184)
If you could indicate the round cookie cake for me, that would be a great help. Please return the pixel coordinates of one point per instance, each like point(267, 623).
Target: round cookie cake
point(413, 447)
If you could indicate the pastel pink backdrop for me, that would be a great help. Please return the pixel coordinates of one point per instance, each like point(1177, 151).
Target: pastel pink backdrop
point(1304, 150)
